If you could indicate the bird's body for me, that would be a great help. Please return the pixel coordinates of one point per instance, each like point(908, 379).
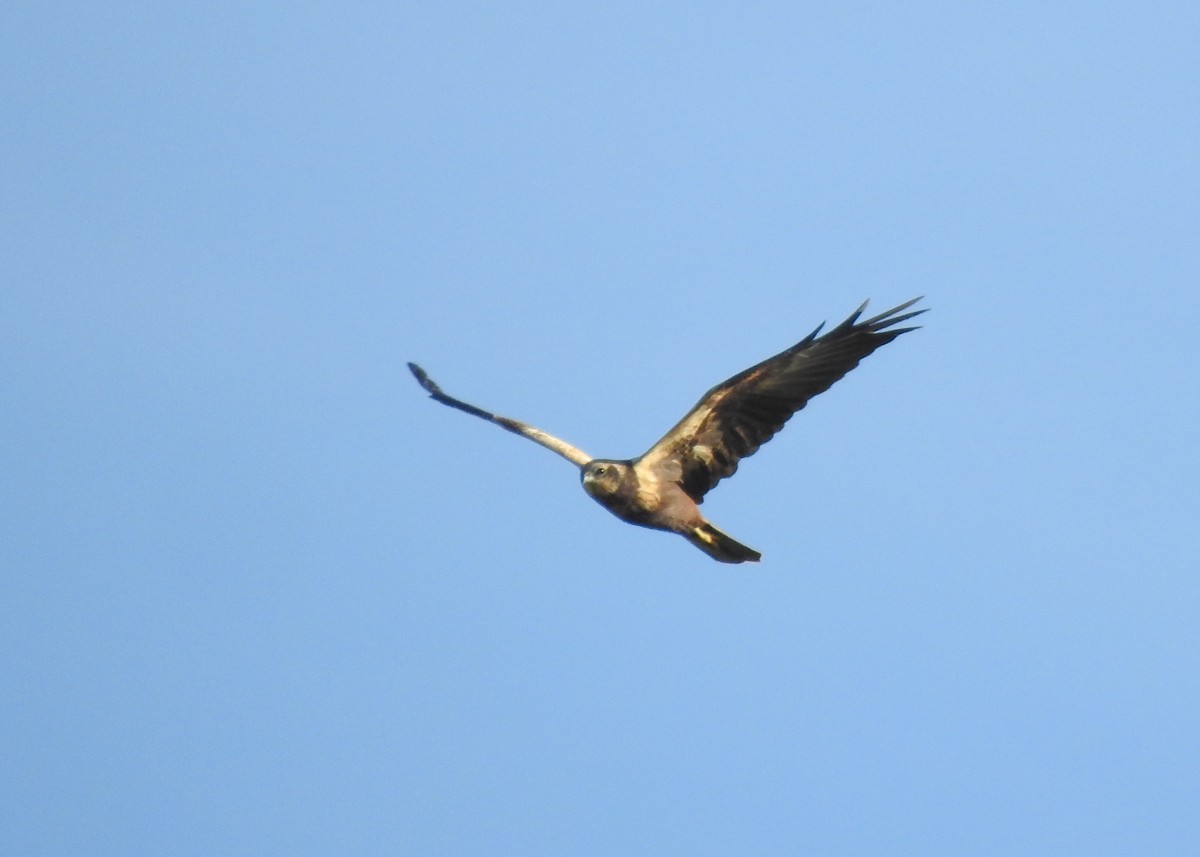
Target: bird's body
point(663, 488)
point(646, 497)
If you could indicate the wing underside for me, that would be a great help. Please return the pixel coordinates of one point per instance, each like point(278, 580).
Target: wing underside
point(733, 419)
point(557, 445)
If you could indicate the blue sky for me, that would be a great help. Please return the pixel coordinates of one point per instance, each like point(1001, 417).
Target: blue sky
point(261, 596)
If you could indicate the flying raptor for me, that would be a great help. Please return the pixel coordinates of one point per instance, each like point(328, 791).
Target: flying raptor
point(663, 488)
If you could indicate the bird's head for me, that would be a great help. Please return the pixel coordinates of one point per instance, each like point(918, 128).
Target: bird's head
point(602, 478)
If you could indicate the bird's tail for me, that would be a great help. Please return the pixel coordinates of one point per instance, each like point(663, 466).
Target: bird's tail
point(720, 546)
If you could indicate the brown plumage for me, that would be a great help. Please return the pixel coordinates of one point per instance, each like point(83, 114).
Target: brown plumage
point(663, 488)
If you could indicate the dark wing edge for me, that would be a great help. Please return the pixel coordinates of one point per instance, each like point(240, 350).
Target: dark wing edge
point(555, 444)
point(736, 417)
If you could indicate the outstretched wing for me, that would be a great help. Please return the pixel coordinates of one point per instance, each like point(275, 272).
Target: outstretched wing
point(735, 418)
point(572, 454)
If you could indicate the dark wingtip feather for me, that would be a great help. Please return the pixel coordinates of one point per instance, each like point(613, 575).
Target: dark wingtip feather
point(424, 380)
point(900, 318)
point(851, 321)
point(894, 316)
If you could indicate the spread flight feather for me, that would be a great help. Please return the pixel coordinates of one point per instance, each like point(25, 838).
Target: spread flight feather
point(733, 419)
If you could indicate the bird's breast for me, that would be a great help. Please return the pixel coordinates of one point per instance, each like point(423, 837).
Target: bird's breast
point(630, 499)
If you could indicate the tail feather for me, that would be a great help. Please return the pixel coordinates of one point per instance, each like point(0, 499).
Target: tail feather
point(720, 546)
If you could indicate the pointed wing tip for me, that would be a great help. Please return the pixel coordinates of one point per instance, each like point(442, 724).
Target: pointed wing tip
point(895, 315)
point(897, 308)
point(424, 380)
point(915, 312)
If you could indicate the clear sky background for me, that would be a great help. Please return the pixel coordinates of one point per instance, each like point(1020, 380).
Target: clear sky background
point(261, 596)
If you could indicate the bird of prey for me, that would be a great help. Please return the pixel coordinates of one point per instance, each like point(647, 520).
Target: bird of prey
point(662, 489)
